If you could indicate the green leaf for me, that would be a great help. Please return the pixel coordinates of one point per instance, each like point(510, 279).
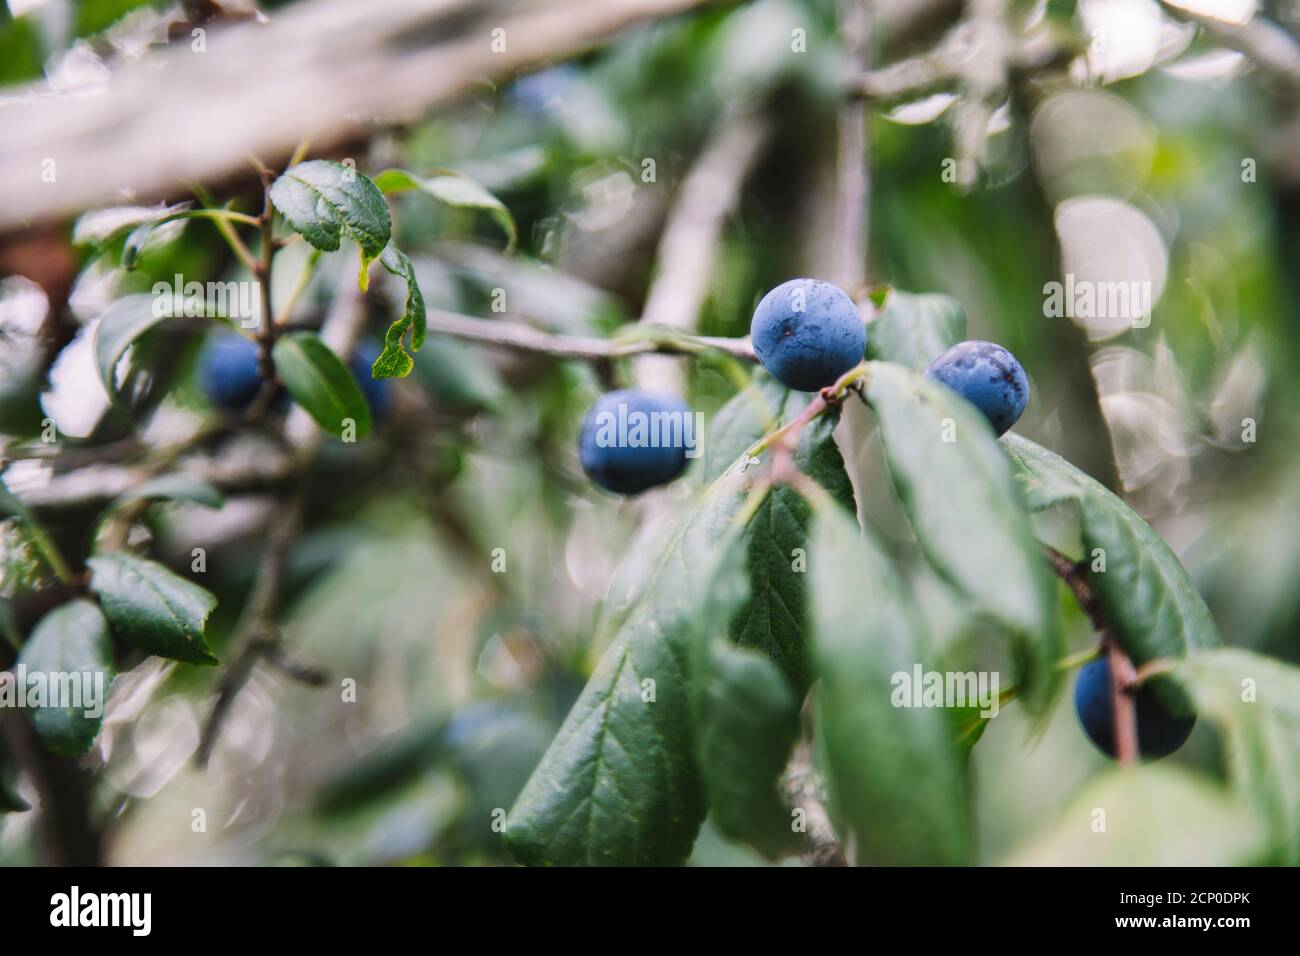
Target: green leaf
point(69, 652)
point(394, 361)
point(176, 487)
point(914, 330)
point(11, 506)
point(1155, 815)
point(1256, 700)
point(748, 726)
point(140, 235)
point(775, 619)
point(749, 415)
point(100, 225)
point(151, 608)
point(747, 720)
point(121, 324)
point(966, 511)
point(895, 774)
point(454, 189)
point(1150, 602)
point(318, 380)
point(619, 784)
point(323, 201)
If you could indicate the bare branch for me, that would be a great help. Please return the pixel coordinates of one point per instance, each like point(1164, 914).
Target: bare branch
point(685, 255)
point(852, 176)
point(1123, 705)
point(525, 338)
point(365, 65)
point(1262, 42)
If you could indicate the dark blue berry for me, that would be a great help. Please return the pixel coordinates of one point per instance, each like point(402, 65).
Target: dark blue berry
point(632, 440)
point(229, 373)
point(987, 376)
point(808, 333)
point(1160, 732)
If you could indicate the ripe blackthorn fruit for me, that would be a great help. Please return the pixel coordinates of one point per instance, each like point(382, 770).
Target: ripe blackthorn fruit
point(230, 374)
point(808, 333)
point(1159, 731)
point(987, 376)
point(634, 439)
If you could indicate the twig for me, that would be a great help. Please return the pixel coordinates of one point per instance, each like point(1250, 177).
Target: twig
point(805, 791)
point(1123, 704)
point(1122, 676)
point(944, 65)
point(686, 249)
point(525, 338)
point(1075, 575)
point(852, 175)
point(367, 65)
point(266, 329)
point(1262, 42)
point(255, 634)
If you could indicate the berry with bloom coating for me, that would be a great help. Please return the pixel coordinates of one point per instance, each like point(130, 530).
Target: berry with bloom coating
point(808, 333)
point(632, 440)
point(230, 374)
point(987, 376)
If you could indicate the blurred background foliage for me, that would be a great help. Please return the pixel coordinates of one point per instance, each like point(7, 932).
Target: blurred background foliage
point(1129, 168)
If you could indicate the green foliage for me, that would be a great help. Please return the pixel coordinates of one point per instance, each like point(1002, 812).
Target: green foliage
point(454, 189)
point(619, 784)
point(394, 361)
point(151, 608)
point(747, 720)
point(914, 330)
point(121, 325)
point(323, 201)
point(1256, 700)
point(774, 620)
point(22, 52)
point(896, 776)
point(956, 487)
point(1150, 602)
point(320, 382)
point(70, 644)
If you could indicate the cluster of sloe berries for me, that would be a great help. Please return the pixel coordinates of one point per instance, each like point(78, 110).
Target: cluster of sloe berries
point(806, 333)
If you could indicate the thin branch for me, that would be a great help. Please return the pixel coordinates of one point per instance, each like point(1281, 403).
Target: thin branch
point(96, 484)
point(1262, 42)
point(852, 173)
point(944, 65)
point(1122, 675)
point(525, 338)
point(1123, 704)
point(805, 790)
point(1075, 575)
point(257, 637)
point(686, 251)
point(255, 634)
point(367, 65)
